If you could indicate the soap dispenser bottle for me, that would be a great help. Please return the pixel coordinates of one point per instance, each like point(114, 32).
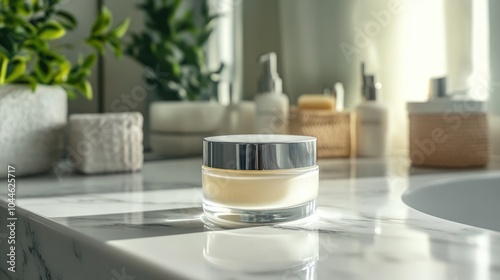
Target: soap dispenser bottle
point(371, 120)
point(271, 103)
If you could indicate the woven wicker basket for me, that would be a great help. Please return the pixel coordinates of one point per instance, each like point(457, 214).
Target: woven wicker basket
point(436, 141)
point(332, 129)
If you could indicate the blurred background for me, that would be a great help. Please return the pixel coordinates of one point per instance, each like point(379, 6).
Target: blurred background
point(320, 42)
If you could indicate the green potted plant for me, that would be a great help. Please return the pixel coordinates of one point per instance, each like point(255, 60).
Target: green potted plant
point(36, 78)
point(171, 48)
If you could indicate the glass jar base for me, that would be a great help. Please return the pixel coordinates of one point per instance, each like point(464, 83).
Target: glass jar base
point(224, 216)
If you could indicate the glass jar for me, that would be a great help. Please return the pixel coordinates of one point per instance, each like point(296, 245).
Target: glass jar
point(259, 179)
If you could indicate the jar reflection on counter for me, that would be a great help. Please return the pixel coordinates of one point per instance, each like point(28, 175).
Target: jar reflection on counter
point(275, 180)
point(268, 252)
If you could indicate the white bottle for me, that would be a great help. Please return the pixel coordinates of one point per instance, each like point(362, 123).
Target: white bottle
point(371, 122)
point(271, 103)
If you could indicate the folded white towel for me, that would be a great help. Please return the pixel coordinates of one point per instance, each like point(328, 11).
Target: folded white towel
point(101, 143)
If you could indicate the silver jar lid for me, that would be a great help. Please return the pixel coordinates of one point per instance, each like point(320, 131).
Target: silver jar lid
point(259, 152)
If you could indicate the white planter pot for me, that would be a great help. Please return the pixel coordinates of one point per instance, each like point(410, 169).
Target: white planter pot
point(177, 128)
point(31, 128)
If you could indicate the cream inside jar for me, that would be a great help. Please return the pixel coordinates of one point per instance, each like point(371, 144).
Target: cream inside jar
point(257, 179)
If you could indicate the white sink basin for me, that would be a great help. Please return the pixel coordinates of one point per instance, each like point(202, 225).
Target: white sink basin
point(473, 201)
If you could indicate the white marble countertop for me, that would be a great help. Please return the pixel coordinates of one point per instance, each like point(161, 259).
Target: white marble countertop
point(148, 225)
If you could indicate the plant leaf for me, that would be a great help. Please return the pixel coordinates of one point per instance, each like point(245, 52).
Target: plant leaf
point(116, 46)
point(52, 56)
point(43, 71)
point(209, 19)
point(32, 81)
point(185, 25)
point(9, 42)
point(121, 29)
point(35, 4)
point(51, 30)
point(22, 23)
point(176, 4)
point(219, 70)
point(85, 89)
point(173, 44)
point(18, 69)
point(103, 22)
point(22, 8)
point(67, 20)
point(204, 36)
point(97, 44)
point(62, 75)
point(89, 61)
point(204, 8)
point(72, 95)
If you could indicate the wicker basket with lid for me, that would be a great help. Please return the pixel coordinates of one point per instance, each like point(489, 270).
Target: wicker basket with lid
point(449, 134)
point(332, 129)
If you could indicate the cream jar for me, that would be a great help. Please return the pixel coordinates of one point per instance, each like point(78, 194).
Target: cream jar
point(258, 179)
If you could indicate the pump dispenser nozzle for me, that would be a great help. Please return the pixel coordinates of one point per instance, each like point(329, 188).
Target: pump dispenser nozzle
point(369, 87)
point(438, 88)
point(270, 80)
